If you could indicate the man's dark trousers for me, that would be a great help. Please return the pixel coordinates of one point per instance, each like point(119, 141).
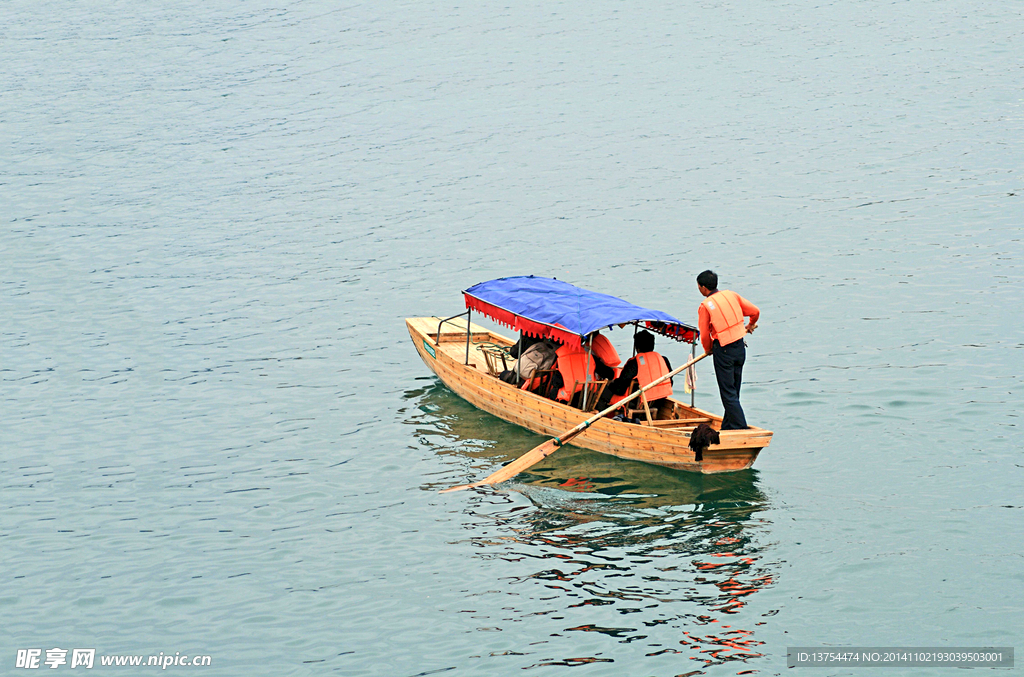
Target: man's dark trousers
point(729, 372)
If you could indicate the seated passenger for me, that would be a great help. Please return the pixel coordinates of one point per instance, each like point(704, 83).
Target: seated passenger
point(538, 357)
point(523, 343)
point(607, 361)
point(575, 364)
point(645, 367)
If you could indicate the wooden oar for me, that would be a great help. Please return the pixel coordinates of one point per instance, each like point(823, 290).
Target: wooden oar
point(538, 453)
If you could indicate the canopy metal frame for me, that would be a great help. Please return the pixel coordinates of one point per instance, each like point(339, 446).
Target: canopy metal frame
point(469, 329)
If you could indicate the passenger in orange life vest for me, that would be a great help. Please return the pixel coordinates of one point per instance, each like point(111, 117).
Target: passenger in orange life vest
point(607, 360)
point(603, 363)
point(645, 367)
point(574, 363)
point(720, 320)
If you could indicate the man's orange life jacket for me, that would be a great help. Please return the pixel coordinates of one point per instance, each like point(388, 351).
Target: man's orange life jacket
point(726, 316)
point(649, 367)
point(605, 351)
point(572, 365)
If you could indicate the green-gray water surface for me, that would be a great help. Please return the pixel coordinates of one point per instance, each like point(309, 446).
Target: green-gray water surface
point(218, 439)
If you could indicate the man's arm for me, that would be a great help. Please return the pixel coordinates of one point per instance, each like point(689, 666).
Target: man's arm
point(621, 384)
point(704, 324)
point(751, 311)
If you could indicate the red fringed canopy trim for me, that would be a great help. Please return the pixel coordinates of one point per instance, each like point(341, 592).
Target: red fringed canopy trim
point(518, 323)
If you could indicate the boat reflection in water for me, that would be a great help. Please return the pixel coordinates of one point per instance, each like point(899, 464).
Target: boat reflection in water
point(679, 556)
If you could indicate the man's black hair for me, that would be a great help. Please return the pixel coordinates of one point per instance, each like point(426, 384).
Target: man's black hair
point(643, 341)
point(708, 279)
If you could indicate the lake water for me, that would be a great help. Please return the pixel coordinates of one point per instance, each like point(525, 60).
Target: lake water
point(218, 440)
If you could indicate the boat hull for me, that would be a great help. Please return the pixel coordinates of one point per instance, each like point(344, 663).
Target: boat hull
point(445, 355)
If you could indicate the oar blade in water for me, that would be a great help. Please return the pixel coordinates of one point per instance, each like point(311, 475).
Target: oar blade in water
point(509, 471)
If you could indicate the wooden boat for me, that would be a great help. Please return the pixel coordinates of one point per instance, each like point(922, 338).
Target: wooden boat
point(462, 354)
point(452, 419)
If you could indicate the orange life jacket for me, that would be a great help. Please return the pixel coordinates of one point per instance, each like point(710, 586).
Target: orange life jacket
point(649, 367)
point(605, 351)
point(726, 316)
point(572, 365)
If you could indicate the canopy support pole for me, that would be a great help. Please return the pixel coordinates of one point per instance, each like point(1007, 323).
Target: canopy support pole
point(693, 386)
point(586, 379)
point(469, 331)
point(519, 359)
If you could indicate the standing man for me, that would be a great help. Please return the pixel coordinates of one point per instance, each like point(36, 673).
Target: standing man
point(721, 333)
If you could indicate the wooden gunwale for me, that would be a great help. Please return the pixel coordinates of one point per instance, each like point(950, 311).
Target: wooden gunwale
point(665, 446)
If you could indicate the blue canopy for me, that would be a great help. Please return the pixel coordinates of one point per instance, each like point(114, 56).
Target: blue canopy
point(545, 307)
